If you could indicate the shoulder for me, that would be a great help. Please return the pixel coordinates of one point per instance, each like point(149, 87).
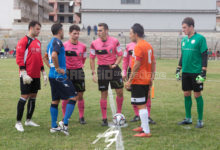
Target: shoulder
point(23, 40)
point(114, 39)
point(82, 44)
point(200, 36)
point(57, 42)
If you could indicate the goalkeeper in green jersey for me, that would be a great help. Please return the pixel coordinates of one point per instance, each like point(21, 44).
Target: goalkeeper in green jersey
point(193, 63)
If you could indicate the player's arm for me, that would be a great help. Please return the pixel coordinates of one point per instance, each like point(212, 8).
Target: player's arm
point(204, 53)
point(153, 67)
point(92, 62)
point(178, 69)
point(135, 69)
point(20, 52)
point(119, 55)
point(54, 56)
point(84, 56)
point(46, 60)
point(125, 64)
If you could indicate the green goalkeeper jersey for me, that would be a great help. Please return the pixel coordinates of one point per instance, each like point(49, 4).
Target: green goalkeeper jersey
point(192, 49)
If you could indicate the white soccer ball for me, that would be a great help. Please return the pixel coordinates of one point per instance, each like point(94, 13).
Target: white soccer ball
point(119, 119)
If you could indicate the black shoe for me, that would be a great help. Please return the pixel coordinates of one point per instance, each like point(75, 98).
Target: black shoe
point(150, 120)
point(199, 124)
point(104, 122)
point(185, 122)
point(82, 120)
point(135, 119)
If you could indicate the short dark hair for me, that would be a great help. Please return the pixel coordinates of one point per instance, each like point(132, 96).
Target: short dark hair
point(138, 29)
point(189, 21)
point(103, 25)
point(33, 24)
point(74, 27)
point(56, 28)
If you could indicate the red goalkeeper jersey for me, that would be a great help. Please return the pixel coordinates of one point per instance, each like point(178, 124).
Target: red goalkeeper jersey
point(28, 56)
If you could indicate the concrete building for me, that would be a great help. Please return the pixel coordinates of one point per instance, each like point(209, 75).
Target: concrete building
point(153, 14)
point(218, 14)
point(12, 11)
point(66, 11)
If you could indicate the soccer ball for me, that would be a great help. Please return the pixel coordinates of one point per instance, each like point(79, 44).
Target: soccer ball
point(119, 119)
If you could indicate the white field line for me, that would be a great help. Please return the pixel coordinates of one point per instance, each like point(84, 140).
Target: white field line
point(119, 141)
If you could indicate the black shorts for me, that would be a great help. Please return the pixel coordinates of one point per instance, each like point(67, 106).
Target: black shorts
point(33, 87)
point(139, 94)
point(62, 90)
point(77, 77)
point(112, 76)
point(189, 82)
point(30, 88)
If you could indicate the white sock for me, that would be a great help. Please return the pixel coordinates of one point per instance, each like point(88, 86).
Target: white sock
point(144, 120)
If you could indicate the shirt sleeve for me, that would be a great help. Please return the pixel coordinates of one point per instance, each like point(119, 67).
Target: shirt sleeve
point(92, 51)
point(119, 51)
point(203, 45)
point(20, 52)
point(138, 52)
point(57, 45)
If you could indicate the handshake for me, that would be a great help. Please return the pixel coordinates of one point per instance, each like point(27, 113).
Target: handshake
point(27, 79)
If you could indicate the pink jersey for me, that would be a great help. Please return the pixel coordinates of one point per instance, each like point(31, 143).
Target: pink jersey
point(107, 51)
point(127, 57)
point(75, 55)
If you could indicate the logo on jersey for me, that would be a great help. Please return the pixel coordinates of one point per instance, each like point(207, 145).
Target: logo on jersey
point(111, 50)
point(183, 44)
point(193, 41)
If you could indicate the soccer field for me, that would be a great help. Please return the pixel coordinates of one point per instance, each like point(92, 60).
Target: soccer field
point(167, 110)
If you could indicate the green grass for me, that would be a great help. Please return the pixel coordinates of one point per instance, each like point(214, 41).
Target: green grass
point(167, 110)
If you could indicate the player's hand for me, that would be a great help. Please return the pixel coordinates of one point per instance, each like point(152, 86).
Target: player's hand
point(113, 66)
point(60, 71)
point(202, 77)
point(128, 85)
point(94, 78)
point(45, 78)
point(26, 78)
point(178, 76)
point(124, 78)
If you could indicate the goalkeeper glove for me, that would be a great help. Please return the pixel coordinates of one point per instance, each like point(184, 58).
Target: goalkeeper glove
point(178, 76)
point(45, 78)
point(201, 78)
point(26, 78)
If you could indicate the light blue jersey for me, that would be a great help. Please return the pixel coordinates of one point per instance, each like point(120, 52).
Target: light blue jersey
point(57, 46)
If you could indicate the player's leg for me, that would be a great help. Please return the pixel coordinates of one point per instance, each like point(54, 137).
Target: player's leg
point(81, 107)
point(64, 103)
point(139, 98)
point(103, 83)
point(54, 115)
point(103, 106)
point(197, 88)
point(25, 91)
point(80, 88)
point(68, 92)
point(119, 99)
point(30, 110)
point(117, 84)
point(187, 87)
point(34, 87)
point(148, 104)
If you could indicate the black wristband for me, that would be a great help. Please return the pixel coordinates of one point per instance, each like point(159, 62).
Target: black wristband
point(22, 67)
